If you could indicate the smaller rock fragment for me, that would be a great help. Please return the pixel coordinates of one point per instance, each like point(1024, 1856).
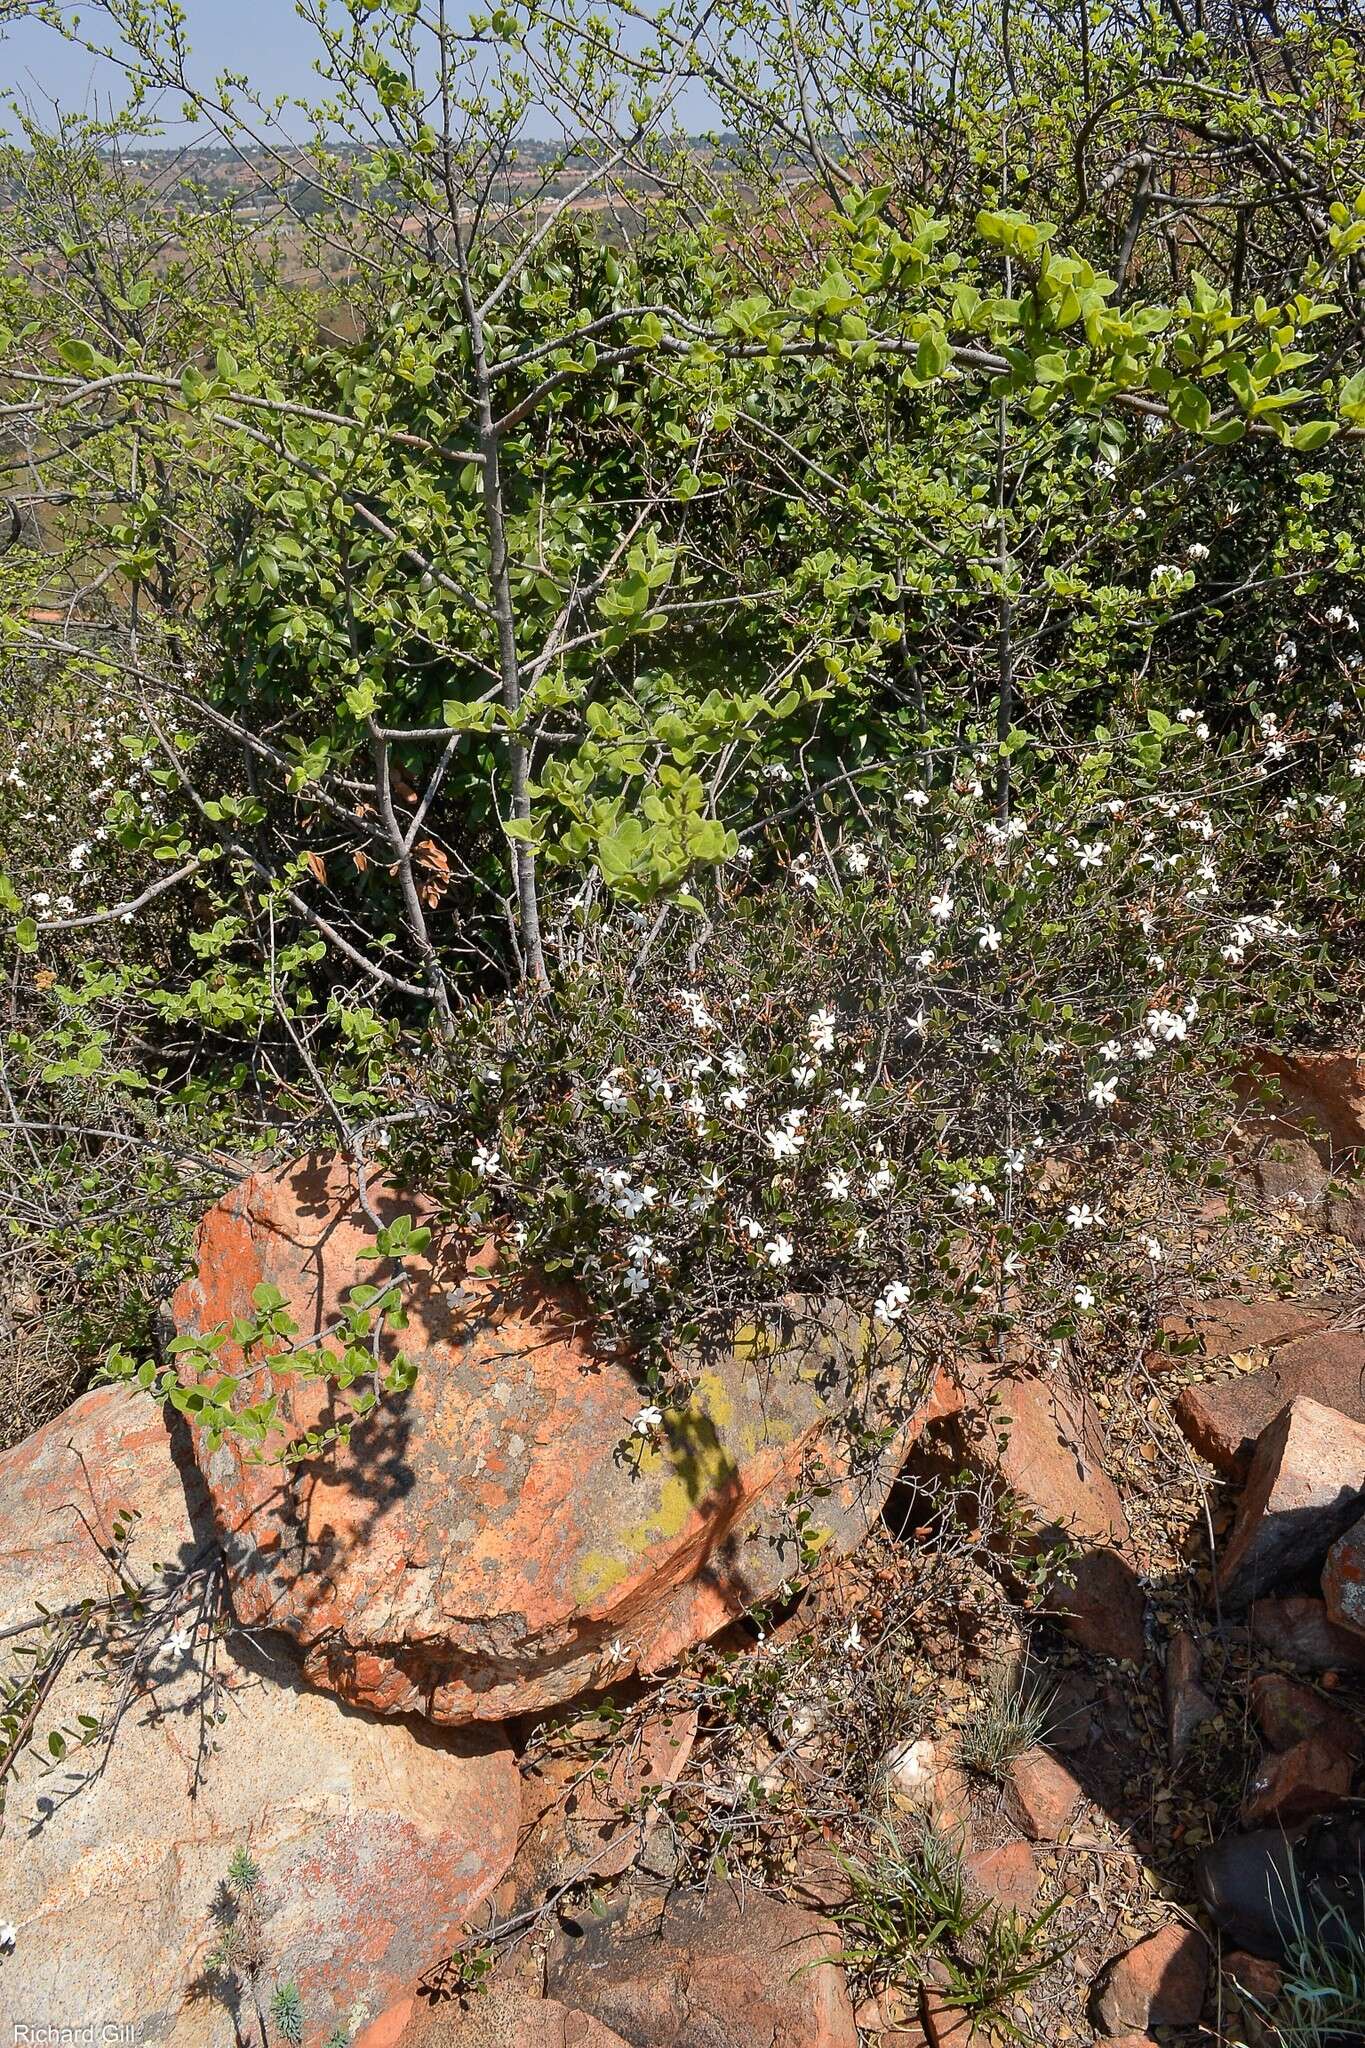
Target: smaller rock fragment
point(1287, 1713)
point(1158, 1982)
point(1043, 1794)
point(1292, 1784)
point(1188, 1706)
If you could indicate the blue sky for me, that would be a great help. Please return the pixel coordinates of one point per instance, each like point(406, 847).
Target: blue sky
point(264, 38)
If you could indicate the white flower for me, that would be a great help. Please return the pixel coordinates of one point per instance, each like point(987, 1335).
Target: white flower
point(635, 1280)
point(1336, 709)
point(713, 1181)
point(806, 878)
point(853, 1640)
point(610, 1093)
point(1011, 1264)
point(803, 1076)
point(1102, 1093)
point(1201, 731)
point(1196, 552)
point(1084, 1298)
point(9, 1934)
point(784, 1142)
point(778, 1251)
point(991, 1044)
point(882, 1181)
point(1152, 1247)
point(820, 1030)
point(1167, 1024)
point(927, 956)
point(988, 939)
point(1014, 1163)
point(918, 797)
point(965, 1194)
point(892, 1303)
point(852, 1101)
point(837, 1184)
point(79, 855)
point(1091, 856)
point(1080, 1216)
point(179, 1642)
point(918, 1025)
point(486, 1162)
point(855, 859)
point(735, 1064)
point(1335, 614)
point(1111, 1050)
point(941, 907)
point(617, 1190)
point(1356, 765)
point(1275, 749)
point(701, 1017)
point(735, 1098)
point(648, 1420)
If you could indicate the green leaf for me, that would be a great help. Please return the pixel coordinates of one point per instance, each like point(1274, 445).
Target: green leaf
point(78, 356)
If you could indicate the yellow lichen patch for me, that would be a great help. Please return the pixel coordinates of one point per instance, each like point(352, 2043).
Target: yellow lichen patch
point(597, 1574)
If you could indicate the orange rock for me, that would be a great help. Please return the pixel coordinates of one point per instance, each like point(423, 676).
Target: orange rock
point(496, 1541)
point(498, 2019)
point(1291, 1784)
point(1259, 1979)
point(1224, 1418)
point(1306, 1485)
point(1043, 1793)
point(1158, 1982)
point(1225, 1326)
point(1301, 1631)
point(1044, 1442)
point(1321, 1090)
point(66, 1489)
point(1288, 1713)
point(1007, 1875)
point(374, 1840)
point(756, 1972)
point(577, 1815)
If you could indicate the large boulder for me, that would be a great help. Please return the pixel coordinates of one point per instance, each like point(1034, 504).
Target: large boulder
point(373, 1839)
point(497, 1540)
point(102, 1485)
